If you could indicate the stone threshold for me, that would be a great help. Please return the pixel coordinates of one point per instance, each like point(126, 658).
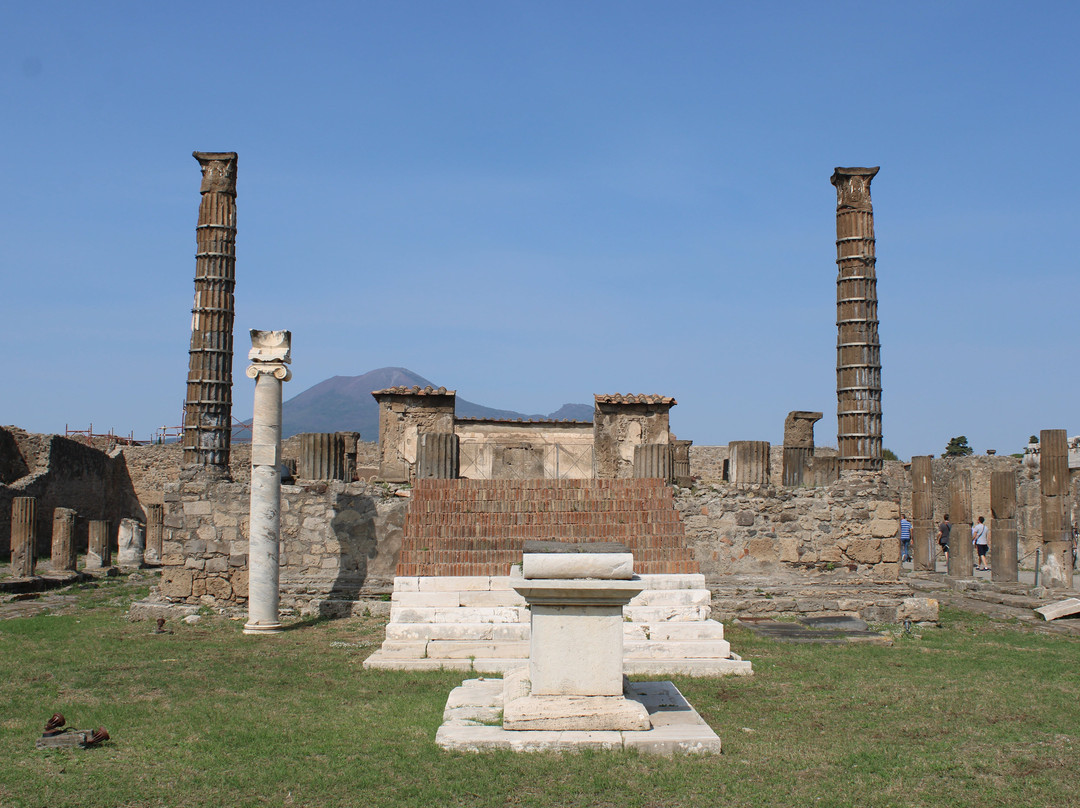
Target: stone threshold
point(473, 716)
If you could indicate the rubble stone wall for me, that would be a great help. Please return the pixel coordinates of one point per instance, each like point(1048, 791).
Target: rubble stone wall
point(852, 523)
point(338, 542)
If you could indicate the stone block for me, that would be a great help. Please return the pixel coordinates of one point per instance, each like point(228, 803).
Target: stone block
point(707, 630)
point(884, 528)
point(762, 549)
point(198, 508)
point(195, 563)
point(678, 649)
point(890, 551)
point(498, 614)
point(918, 610)
point(591, 713)
point(672, 597)
point(674, 581)
point(406, 584)
point(219, 588)
point(426, 599)
point(497, 597)
point(402, 614)
point(789, 550)
point(664, 614)
point(445, 631)
point(504, 632)
point(455, 583)
point(452, 649)
point(396, 649)
point(216, 564)
point(865, 551)
point(604, 566)
point(175, 583)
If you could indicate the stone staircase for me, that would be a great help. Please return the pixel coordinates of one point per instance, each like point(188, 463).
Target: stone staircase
point(452, 605)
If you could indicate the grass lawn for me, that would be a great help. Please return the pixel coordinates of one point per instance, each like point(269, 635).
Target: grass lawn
point(973, 713)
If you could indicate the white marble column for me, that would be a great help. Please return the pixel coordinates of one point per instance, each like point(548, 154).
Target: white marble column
point(270, 353)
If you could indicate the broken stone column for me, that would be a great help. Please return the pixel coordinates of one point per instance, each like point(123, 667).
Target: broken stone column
point(923, 528)
point(798, 445)
point(23, 536)
point(1056, 569)
point(437, 456)
point(653, 460)
point(270, 354)
point(1003, 534)
point(63, 540)
point(351, 439)
point(208, 408)
point(961, 552)
point(322, 456)
point(858, 349)
point(748, 462)
point(155, 529)
point(130, 543)
point(99, 552)
point(822, 471)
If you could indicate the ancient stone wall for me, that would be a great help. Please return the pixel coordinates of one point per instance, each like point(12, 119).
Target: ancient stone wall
point(852, 523)
point(338, 541)
point(492, 449)
point(65, 473)
point(622, 422)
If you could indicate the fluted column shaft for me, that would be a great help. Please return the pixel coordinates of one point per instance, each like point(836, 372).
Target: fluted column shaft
point(208, 409)
point(63, 540)
point(1003, 550)
point(961, 554)
point(1056, 565)
point(23, 536)
point(858, 349)
point(923, 529)
point(99, 551)
point(155, 528)
point(269, 354)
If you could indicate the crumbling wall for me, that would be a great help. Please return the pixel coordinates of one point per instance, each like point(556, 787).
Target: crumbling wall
point(852, 523)
point(338, 541)
point(65, 473)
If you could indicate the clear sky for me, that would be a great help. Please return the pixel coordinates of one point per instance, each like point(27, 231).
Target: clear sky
point(535, 202)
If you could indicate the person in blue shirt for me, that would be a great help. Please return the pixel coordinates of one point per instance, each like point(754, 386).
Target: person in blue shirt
point(905, 538)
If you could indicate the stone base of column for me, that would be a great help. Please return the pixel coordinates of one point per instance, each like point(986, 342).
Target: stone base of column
point(263, 628)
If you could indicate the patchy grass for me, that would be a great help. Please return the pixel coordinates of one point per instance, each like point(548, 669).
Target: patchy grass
point(974, 713)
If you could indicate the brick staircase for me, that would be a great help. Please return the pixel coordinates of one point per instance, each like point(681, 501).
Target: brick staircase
point(477, 527)
point(453, 606)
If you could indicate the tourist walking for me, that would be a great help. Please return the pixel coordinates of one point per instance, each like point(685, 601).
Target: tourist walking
point(982, 543)
point(943, 531)
point(905, 538)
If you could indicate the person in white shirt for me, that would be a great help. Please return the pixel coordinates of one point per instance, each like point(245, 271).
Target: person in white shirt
point(981, 542)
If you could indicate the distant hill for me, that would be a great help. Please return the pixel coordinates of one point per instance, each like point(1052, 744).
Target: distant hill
point(344, 403)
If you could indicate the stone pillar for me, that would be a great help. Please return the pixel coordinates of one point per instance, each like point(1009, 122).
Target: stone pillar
point(63, 540)
point(208, 408)
point(23, 536)
point(1056, 568)
point(961, 553)
point(270, 353)
point(99, 553)
point(798, 445)
point(1003, 535)
point(155, 529)
point(748, 462)
point(622, 422)
point(437, 456)
point(351, 439)
point(653, 460)
point(322, 456)
point(822, 471)
point(403, 413)
point(680, 462)
point(130, 543)
point(923, 529)
point(858, 349)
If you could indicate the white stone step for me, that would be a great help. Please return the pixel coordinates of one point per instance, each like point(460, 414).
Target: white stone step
point(672, 597)
point(664, 614)
point(458, 649)
point(693, 630)
point(675, 649)
point(499, 632)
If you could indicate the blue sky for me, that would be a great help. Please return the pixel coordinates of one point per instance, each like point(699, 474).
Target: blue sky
point(535, 202)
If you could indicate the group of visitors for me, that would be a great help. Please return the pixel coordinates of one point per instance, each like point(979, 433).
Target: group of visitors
point(980, 537)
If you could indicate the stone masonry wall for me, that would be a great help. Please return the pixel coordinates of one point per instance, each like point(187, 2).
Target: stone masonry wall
point(338, 541)
point(852, 523)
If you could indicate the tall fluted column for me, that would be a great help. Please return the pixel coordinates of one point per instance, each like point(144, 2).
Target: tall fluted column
point(155, 528)
point(23, 536)
point(99, 551)
point(858, 350)
point(208, 410)
point(270, 353)
point(961, 554)
point(1057, 567)
point(923, 546)
point(1003, 526)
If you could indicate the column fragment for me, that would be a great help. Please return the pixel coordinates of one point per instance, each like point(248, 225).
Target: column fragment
point(961, 554)
point(99, 552)
point(923, 530)
point(208, 408)
point(1003, 534)
point(23, 536)
point(63, 540)
point(858, 350)
point(270, 353)
point(155, 529)
point(1056, 566)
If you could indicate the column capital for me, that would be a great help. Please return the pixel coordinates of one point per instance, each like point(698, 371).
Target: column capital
point(270, 352)
point(853, 186)
point(218, 171)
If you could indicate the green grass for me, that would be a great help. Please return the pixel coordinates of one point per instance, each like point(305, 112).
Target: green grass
point(974, 713)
